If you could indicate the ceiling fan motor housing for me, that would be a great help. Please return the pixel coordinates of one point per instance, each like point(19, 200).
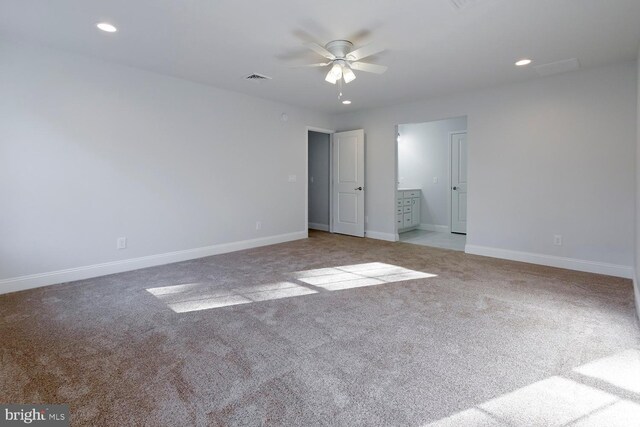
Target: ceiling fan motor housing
point(340, 48)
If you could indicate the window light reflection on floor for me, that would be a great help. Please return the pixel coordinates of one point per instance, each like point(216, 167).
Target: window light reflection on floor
point(203, 296)
point(206, 296)
point(561, 401)
point(620, 370)
point(354, 276)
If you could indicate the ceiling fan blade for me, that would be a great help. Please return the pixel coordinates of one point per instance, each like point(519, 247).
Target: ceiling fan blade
point(369, 68)
point(319, 64)
point(364, 52)
point(321, 50)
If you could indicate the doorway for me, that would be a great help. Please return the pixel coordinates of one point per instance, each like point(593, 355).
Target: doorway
point(432, 183)
point(335, 181)
point(319, 180)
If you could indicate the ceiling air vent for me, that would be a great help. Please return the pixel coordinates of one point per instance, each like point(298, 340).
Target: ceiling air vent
point(257, 77)
point(462, 4)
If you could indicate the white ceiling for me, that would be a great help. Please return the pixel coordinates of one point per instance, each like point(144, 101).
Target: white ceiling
point(432, 48)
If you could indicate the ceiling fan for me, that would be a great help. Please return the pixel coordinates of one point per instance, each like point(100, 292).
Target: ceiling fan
point(343, 59)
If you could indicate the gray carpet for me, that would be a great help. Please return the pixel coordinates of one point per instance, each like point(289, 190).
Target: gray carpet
point(331, 330)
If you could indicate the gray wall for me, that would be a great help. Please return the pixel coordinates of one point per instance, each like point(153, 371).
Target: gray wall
point(319, 180)
point(552, 155)
point(636, 284)
point(91, 151)
point(423, 153)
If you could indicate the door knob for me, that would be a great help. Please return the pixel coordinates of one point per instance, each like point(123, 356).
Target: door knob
point(359, 189)
point(455, 188)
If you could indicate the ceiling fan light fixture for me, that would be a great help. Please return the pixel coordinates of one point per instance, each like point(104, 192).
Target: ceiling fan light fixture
point(334, 74)
point(348, 75)
point(331, 78)
point(343, 60)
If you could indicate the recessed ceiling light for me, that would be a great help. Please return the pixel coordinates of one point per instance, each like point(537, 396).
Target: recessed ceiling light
point(105, 26)
point(346, 102)
point(523, 62)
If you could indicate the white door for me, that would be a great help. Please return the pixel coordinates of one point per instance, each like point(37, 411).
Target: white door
point(348, 183)
point(459, 182)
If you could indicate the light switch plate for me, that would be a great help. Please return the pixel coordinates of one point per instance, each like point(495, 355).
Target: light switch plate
point(121, 243)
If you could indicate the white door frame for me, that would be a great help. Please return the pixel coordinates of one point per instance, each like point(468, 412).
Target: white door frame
point(457, 132)
point(397, 172)
point(396, 183)
point(306, 174)
point(451, 134)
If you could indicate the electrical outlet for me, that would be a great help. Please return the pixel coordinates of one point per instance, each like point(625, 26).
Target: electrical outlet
point(293, 178)
point(121, 243)
point(557, 240)
point(258, 225)
point(311, 179)
point(435, 179)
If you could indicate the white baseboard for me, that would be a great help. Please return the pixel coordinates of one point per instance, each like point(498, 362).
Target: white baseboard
point(86, 272)
point(316, 226)
point(553, 261)
point(434, 227)
point(389, 237)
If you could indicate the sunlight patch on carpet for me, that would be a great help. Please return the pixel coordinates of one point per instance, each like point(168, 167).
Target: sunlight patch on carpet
point(621, 370)
point(206, 296)
point(189, 297)
point(563, 401)
point(175, 289)
point(553, 401)
point(355, 276)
